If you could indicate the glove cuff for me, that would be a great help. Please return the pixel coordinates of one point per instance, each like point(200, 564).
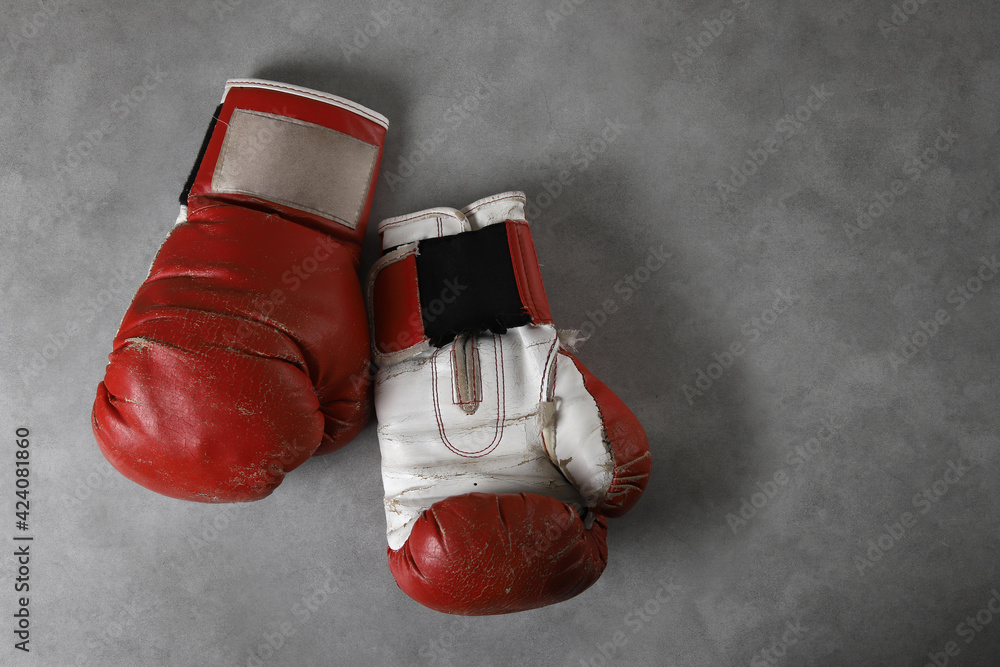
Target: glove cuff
point(438, 222)
point(454, 272)
point(306, 155)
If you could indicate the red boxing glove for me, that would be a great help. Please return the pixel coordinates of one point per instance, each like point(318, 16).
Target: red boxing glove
point(245, 351)
point(501, 453)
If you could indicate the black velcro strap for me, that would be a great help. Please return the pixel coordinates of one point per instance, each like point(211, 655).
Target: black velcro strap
point(467, 285)
point(201, 155)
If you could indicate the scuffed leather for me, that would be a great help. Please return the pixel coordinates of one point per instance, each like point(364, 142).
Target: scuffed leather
point(432, 449)
point(486, 504)
point(482, 554)
point(245, 351)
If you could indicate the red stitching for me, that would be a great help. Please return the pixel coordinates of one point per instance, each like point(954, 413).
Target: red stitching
point(474, 385)
point(502, 412)
point(476, 379)
point(501, 408)
point(545, 372)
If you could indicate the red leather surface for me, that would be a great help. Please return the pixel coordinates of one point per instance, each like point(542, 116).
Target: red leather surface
point(527, 272)
point(246, 349)
point(397, 320)
point(230, 369)
point(629, 445)
point(480, 553)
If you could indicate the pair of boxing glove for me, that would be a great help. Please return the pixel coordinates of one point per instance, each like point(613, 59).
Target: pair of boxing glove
point(247, 350)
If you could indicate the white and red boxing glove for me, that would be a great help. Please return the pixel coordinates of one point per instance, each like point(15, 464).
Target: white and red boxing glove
point(246, 350)
point(501, 454)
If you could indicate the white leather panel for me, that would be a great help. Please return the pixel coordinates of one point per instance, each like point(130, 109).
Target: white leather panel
point(428, 224)
point(502, 414)
point(433, 449)
point(581, 447)
point(495, 209)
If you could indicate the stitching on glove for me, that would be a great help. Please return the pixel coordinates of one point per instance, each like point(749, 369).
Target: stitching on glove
point(386, 358)
point(501, 403)
point(302, 92)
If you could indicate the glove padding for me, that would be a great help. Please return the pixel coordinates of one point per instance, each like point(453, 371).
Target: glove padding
point(245, 351)
point(501, 453)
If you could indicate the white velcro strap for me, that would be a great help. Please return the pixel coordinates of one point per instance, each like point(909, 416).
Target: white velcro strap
point(291, 162)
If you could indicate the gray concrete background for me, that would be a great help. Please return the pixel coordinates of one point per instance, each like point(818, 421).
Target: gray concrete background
point(832, 431)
